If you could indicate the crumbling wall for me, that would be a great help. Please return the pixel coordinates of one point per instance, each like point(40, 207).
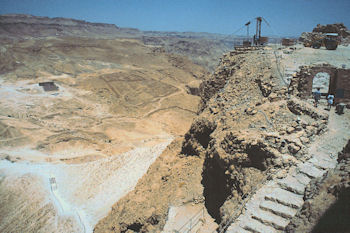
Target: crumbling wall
point(198, 137)
point(301, 84)
point(217, 81)
point(231, 166)
point(342, 86)
point(317, 34)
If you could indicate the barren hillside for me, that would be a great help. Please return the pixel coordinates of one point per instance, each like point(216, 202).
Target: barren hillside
point(79, 117)
point(204, 49)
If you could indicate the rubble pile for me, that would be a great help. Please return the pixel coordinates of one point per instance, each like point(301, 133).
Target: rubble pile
point(339, 28)
point(308, 38)
point(217, 81)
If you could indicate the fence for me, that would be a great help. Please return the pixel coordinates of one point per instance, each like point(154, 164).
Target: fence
point(192, 222)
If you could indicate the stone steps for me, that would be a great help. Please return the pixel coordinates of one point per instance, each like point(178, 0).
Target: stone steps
point(290, 183)
point(272, 207)
point(270, 219)
point(281, 200)
point(323, 162)
point(302, 178)
point(310, 170)
point(237, 230)
point(286, 198)
point(278, 209)
point(256, 226)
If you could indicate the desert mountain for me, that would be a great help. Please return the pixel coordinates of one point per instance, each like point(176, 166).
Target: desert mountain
point(202, 48)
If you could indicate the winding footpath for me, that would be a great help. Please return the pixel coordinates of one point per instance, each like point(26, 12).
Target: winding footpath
point(273, 206)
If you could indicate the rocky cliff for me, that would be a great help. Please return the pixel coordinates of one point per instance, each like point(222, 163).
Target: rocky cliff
point(249, 128)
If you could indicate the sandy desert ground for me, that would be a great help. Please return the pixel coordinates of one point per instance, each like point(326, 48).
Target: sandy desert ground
point(74, 151)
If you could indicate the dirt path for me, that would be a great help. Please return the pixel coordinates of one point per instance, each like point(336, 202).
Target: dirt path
point(159, 103)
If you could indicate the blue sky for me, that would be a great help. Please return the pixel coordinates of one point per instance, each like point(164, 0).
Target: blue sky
point(286, 17)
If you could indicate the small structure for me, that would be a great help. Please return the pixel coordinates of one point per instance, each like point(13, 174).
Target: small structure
point(48, 86)
point(247, 43)
point(288, 42)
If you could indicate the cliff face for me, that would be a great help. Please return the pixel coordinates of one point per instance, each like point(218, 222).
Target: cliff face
point(248, 130)
point(20, 26)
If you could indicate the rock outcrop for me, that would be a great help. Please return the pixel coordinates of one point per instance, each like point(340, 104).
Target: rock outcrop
point(309, 38)
point(339, 28)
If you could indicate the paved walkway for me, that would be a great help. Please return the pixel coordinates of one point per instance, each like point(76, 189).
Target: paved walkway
point(271, 208)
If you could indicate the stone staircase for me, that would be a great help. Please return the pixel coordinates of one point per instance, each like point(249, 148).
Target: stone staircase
point(271, 208)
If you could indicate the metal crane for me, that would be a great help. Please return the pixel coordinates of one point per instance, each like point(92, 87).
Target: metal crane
point(258, 30)
point(258, 40)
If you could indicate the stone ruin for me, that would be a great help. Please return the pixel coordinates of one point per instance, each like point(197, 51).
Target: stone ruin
point(304, 83)
point(48, 86)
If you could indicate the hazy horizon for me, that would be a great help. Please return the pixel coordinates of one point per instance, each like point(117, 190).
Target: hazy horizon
point(286, 18)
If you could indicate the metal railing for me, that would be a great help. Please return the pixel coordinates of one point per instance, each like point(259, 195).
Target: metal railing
point(192, 222)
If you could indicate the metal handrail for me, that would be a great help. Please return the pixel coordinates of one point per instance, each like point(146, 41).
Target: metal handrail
point(190, 222)
point(279, 69)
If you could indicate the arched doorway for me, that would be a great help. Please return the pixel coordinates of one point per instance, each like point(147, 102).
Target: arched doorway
point(321, 80)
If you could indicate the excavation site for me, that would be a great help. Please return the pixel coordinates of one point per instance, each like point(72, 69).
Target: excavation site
point(116, 129)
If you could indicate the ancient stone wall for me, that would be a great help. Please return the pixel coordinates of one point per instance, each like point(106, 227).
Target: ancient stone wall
point(302, 83)
point(342, 86)
point(339, 84)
